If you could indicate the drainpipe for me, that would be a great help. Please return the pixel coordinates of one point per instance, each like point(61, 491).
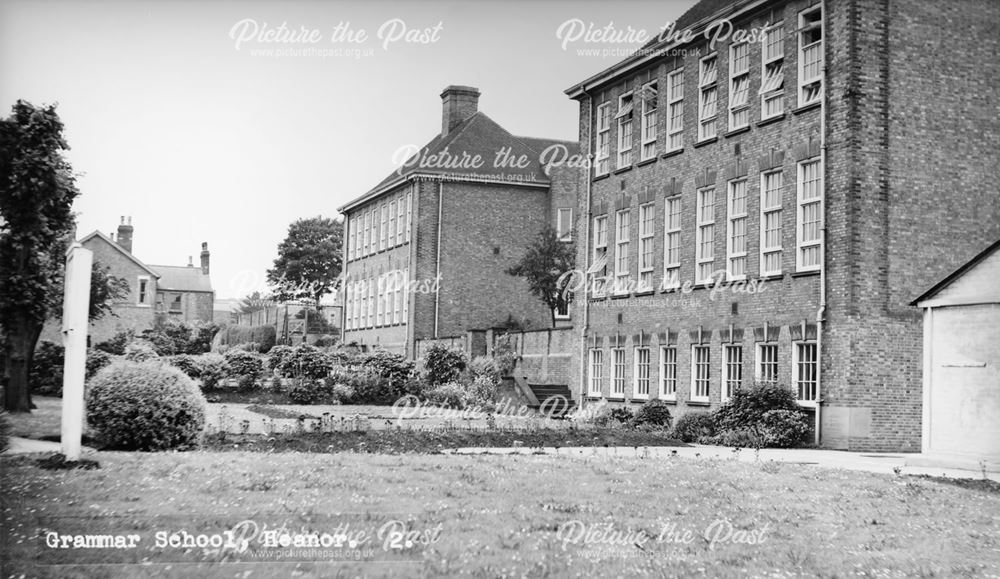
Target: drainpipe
point(821, 312)
point(437, 259)
point(586, 258)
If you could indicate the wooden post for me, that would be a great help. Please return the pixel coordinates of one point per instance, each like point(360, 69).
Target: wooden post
point(76, 306)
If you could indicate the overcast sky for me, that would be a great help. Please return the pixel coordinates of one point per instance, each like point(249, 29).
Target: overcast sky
point(199, 138)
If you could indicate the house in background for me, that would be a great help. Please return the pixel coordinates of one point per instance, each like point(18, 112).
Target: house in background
point(425, 250)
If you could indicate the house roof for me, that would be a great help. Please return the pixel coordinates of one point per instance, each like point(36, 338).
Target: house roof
point(936, 288)
point(182, 278)
point(477, 135)
point(120, 249)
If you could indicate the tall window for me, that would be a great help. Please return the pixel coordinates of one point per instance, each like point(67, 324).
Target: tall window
point(600, 261)
point(672, 243)
point(380, 301)
point(700, 372)
point(767, 363)
point(709, 95)
point(564, 224)
point(371, 303)
point(739, 85)
point(705, 242)
point(603, 139)
point(144, 290)
point(409, 213)
point(810, 56)
point(624, 117)
point(618, 379)
point(810, 215)
point(668, 372)
point(392, 224)
point(650, 98)
point(647, 214)
point(772, 74)
point(349, 307)
point(596, 371)
point(368, 233)
point(384, 229)
point(623, 222)
point(736, 231)
point(733, 377)
point(770, 223)
point(641, 373)
point(675, 109)
point(804, 371)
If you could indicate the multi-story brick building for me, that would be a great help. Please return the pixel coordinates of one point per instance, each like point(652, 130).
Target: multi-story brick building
point(766, 206)
point(426, 249)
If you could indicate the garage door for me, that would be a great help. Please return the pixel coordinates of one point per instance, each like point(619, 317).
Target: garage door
point(965, 381)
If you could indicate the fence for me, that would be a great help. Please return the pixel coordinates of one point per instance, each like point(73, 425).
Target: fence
point(293, 322)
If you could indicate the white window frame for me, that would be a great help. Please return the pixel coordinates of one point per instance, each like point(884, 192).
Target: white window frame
point(642, 372)
point(772, 66)
point(675, 110)
point(766, 209)
point(739, 75)
point(384, 228)
point(626, 136)
point(409, 214)
point(736, 219)
point(601, 223)
point(672, 208)
point(595, 384)
point(366, 239)
point(648, 121)
point(603, 141)
point(704, 236)
point(797, 372)
point(142, 296)
point(372, 289)
point(802, 245)
point(623, 240)
point(696, 366)
point(400, 219)
point(380, 301)
point(562, 314)
point(729, 384)
point(708, 127)
point(348, 305)
point(760, 362)
point(564, 224)
point(668, 373)
point(807, 79)
point(391, 242)
point(618, 379)
point(647, 226)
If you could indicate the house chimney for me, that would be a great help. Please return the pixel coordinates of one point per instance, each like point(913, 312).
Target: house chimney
point(190, 261)
point(458, 104)
point(204, 257)
point(125, 234)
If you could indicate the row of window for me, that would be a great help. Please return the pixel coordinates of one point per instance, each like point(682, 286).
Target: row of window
point(808, 219)
point(646, 100)
point(382, 226)
point(805, 367)
point(377, 302)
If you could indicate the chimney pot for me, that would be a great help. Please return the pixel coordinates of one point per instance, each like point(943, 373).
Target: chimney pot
point(205, 255)
point(458, 104)
point(190, 261)
point(125, 235)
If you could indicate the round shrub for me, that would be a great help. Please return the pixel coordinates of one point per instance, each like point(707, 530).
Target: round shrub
point(96, 359)
point(186, 363)
point(140, 352)
point(145, 406)
point(242, 363)
point(342, 393)
point(622, 414)
point(277, 356)
point(692, 426)
point(443, 365)
point(46, 375)
point(304, 361)
point(308, 392)
point(115, 345)
point(212, 369)
point(653, 413)
point(450, 395)
point(784, 428)
point(746, 407)
point(394, 367)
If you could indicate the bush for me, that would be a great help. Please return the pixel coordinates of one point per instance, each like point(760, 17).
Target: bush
point(443, 365)
point(171, 337)
point(303, 361)
point(145, 406)
point(140, 352)
point(653, 413)
point(393, 367)
point(212, 369)
point(622, 414)
point(46, 374)
point(784, 428)
point(96, 359)
point(326, 341)
point(4, 431)
point(304, 391)
point(277, 356)
point(342, 393)
point(246, 383)
point(115, 345)
point(240, 363)
point(692, 426)
point(450, 395)
point(186, 363)
point(263, 338)
point(746, 407)
point(370, 388)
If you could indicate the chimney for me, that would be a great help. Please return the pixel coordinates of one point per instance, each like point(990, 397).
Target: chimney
point(458, 104)
point(190, 261)
point(204, 257)
point(125, 234)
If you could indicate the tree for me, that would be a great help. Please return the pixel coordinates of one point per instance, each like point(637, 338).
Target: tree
point(309, 260)
point(37, 189)
point(543, 266)
point(105, 290)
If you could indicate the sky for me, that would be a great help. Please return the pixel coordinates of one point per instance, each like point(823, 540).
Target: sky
point(209, 122)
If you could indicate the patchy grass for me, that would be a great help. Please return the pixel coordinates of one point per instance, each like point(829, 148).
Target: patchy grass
point(501, 516)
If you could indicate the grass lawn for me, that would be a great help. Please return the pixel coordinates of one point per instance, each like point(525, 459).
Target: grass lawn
point(495, 516)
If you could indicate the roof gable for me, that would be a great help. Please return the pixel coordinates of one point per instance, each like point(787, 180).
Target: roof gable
point(973, 282)
point(97, 235)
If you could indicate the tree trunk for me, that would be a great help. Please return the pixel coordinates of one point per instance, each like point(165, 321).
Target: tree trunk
point(20, 351)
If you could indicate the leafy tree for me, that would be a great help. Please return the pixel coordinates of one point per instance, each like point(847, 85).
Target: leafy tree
point(37, 189)
point(105, 290)
point(254, 302)
point(309, 260)
point(543, 266)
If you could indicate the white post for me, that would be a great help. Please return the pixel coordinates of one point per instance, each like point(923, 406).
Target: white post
point(76, 306)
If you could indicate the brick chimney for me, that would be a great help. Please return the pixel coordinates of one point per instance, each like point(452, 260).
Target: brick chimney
point(204, 257)
point(125, 234)
point(458, 103)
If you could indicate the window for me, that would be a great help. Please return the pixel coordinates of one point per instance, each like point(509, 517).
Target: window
point(596, 371)
point(804, 370)
point(368, 233)
point(600, 261)
point(409, 213)
point(672, 243)
point(618, 380)
point(709, 91)
point(647, 214)
point(624, 118)
point(621, 250)
point(379, 300)
point(400, 220)
point(175, 302)
point(603, 139)
point(705, 243)
point(371, 304)
point(733, 371)
point(384, 229)
point(562, 311)
point(349, 307)
point(810, 216)
point(700, 372)
point(810, 56)
point(143, 290)
point(770, 223)
point(767, 363)
point(641, 373)
point(564, 224)
point(668, 372)
point(650, 98)
point(392, 224)
point(739, 85)
point(736, 231)
point(398, 280)
point(772, 74)
point(675, 109)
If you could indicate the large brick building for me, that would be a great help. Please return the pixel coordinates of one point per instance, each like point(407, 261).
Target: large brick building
point(425, 250)
point(768, 209)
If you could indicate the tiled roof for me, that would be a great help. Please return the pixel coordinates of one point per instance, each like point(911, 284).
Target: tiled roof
point(182, 278)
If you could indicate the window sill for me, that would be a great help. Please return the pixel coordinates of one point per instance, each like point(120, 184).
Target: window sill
point(617, 398)
point(805, 273)
point(645, 162)
point(672, 401)
point(708, 141)
point(735, 132)
point(601, 176)
point(673, 153)
point(648, 292)
point(143, 305)
point(697, 403)
point(620, 296)
point(621, 170)
point(771, 120)
point(813, 105)
point(806, 403)
point(638, 398)
point(772, 277)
